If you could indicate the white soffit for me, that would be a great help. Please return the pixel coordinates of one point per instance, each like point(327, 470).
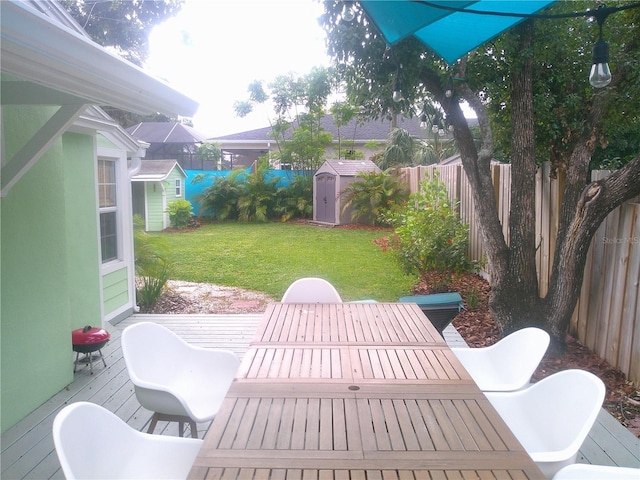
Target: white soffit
point(40, 50)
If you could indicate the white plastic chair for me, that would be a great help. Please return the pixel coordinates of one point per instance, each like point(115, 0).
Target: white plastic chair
point(552, 417)
point(93, 443)
point(311, 290)
point(580, 471)
point(508, 364)
point(175, 380)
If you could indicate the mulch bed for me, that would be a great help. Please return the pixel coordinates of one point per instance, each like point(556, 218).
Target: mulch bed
point(478, 329)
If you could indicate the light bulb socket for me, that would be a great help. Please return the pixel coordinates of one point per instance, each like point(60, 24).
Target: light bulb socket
point(397, 93)
point(600, 52)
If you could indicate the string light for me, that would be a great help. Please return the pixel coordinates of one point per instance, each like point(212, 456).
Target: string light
point(600, 74)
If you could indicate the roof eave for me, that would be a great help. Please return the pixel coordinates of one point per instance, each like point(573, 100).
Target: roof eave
point(35, 48)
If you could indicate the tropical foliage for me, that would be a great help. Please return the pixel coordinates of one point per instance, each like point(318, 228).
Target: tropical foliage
point(152, 264)
point(529, 88)
point(255, 196)
point(375, 196)
point(296, 200)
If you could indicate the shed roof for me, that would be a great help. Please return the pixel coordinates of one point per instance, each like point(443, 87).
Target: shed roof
point(349, 168)
point(156, 170)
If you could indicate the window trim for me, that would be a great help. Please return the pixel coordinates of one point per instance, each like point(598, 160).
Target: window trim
point(118, 259)
point(178, 187)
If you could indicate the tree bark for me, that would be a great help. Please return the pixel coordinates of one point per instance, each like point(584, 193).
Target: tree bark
point(515, 302)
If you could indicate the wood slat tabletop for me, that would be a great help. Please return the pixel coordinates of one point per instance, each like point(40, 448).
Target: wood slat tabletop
point(347, 323)
point(356, 391)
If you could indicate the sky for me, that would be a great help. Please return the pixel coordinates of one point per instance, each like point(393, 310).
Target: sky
point(213, 49)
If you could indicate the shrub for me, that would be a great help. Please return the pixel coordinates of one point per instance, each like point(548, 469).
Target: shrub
point(180, 212)
point(430, 234)
point(296, 199)
point(375, 196)
point(258, 195)
point(241, 196)
point(150, 284)
point(152, 264)
point(220, 200)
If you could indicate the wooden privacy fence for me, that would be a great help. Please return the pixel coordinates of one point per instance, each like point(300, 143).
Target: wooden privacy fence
point(607, 316)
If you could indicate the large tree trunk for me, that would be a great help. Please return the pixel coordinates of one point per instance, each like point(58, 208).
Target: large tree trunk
point(515, 301)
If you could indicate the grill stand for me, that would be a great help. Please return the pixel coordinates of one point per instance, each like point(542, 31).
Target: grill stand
point(90, 355)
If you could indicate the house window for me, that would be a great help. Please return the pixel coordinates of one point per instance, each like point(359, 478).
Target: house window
point(178, 187)
point(107, 192)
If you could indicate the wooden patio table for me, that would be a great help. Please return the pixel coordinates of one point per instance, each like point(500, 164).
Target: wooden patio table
point(356, 391)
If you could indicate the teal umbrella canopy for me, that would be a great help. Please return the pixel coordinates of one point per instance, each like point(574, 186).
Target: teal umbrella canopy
point(451, 28)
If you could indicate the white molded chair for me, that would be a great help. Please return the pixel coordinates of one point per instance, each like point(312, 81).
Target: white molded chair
point(508, 364)
point(311, 290)
point(581, 471)
point(175, 380)
point(93, 443)
point(552, 417)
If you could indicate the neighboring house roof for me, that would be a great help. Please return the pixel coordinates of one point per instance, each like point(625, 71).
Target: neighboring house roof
point(165, 132)
point(355, 130)
point(156, 170)
point(349, 168)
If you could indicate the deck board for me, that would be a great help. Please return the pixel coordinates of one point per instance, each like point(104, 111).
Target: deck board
point(27, 447)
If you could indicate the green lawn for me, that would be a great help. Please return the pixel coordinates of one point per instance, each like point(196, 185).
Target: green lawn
point(267, 257)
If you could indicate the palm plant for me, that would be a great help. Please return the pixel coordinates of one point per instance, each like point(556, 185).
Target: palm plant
point(152, 264)
point(220, 200)
point(258, 194)
point(375, 196)
point(296, 199)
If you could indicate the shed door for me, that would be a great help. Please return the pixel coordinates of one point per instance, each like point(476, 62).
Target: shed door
point(326, 198)
point(137, 189)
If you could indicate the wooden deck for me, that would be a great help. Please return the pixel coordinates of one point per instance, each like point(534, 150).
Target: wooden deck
point(28, 451)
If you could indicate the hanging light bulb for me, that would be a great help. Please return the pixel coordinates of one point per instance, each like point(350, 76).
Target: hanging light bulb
point(434, 128)
point(600, 75)
point(423, 121)
point(448, 92)
point(397, 93)
point(348, 12)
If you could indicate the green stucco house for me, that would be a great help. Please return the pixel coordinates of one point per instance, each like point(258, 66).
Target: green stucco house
point(66, 247)
point(154, 187)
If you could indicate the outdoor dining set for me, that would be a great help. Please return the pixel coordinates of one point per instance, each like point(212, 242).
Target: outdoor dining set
point(333, 389)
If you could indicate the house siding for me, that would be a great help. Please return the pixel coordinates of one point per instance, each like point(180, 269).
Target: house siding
point(49, 254)
point(171, 185)
point(155, 206)
point(115, 291)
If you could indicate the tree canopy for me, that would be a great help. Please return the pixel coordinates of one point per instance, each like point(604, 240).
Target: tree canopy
point(530, 91)
point(123, 25)
point(299, 105)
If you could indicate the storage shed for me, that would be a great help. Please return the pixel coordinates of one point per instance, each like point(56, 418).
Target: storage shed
point(331, 179)
point(157, 183)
